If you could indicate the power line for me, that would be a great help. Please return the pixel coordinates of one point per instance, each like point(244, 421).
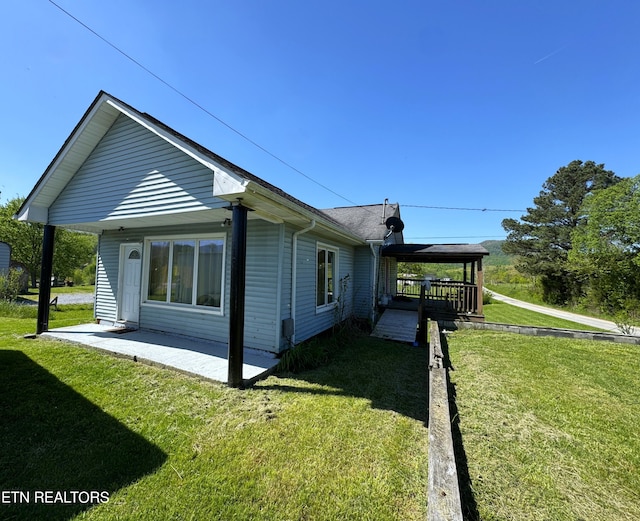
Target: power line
point(461, 237)
point(238, 132)
point(459, 209)
point(198, 105)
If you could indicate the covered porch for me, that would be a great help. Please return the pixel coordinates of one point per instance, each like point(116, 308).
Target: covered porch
point(440, 298)
point(208, 360)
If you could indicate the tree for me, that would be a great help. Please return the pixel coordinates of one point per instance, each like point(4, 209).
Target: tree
point(606, 246)
point(71, 250)
point(25, 238)
point(542, 238)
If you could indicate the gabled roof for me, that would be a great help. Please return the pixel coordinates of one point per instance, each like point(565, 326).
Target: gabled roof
point(230, 182)
point(369, 221)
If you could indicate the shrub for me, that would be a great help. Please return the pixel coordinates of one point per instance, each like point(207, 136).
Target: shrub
point(10, 284)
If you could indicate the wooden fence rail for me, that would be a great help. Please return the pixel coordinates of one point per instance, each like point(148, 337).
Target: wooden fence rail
point(455, 297)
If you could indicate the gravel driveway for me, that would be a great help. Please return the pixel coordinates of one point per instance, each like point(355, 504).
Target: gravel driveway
point(76, 298)
point(64, 298)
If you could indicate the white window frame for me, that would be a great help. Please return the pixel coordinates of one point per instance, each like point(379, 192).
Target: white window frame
point(176, 305)
point(336, 270)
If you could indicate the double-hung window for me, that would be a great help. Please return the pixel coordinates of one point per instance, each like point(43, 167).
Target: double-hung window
point(186, 271)
point(327, 271)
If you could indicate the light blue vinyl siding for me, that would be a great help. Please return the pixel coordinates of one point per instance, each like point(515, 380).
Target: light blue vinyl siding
point(262, 298)
point(265, 255)
point(362, 284)
point(131, 173)
point(287, 232)
point(107, 267)
point(309, 320)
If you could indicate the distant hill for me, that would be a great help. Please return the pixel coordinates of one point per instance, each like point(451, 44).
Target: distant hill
point(496, 256)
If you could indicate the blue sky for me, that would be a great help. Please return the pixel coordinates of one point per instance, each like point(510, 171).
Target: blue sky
point(456, 104)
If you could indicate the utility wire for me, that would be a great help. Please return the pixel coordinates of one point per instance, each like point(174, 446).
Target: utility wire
point(238, 132)
point(198, 105)
point(460, 237)
point(459, 209)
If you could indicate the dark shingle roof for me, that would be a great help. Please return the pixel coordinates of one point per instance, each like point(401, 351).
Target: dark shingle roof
point(366, 221)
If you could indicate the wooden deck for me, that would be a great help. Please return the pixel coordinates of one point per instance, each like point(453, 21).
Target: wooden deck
point(397, 324)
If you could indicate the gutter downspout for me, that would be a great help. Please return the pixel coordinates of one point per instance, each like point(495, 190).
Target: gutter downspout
point(294, 274)
point(374, 283)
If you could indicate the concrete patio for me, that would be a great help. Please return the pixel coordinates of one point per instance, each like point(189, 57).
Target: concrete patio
point(191, 356)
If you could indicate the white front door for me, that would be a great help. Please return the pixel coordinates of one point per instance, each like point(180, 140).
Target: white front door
point(131, 266)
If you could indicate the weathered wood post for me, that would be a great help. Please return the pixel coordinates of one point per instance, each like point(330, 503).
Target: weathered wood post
point(44, 291)
point(422, 313)
point(480, 285)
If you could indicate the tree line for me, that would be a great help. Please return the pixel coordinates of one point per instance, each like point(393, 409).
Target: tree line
point(74, 252)
point(581, 239)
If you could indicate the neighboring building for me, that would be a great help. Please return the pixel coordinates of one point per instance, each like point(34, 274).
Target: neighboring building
point(167, 212)
point(5, 257)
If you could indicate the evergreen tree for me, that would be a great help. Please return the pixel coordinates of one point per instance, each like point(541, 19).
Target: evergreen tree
point(542, 238)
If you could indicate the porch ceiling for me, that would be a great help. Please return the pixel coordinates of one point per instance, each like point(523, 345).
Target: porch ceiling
point(436, 253)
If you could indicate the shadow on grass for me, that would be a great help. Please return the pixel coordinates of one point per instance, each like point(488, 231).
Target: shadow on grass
point(391, 375)
point(467, 497)
point(53, 439)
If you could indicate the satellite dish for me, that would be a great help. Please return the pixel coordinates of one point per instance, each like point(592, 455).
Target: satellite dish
point(394, 224)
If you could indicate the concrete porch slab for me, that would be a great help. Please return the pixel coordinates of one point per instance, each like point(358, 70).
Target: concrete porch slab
point(188, 355)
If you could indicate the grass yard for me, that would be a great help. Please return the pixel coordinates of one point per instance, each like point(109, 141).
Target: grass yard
point(504, 313)
point(518, 291)
point(346, 441)
point(549, 426)
point(549, 430)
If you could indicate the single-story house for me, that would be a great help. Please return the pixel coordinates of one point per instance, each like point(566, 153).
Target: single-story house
point(191, 244)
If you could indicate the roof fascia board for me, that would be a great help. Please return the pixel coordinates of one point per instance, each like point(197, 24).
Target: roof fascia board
point(86, 120)
point(227, 185)
point(263, 193)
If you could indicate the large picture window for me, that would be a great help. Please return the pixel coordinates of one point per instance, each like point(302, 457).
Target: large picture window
point(186, 271)
point(327, 270)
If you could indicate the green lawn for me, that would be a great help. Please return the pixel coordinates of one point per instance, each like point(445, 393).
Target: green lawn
point(346, 441)
point(549, 426)
point(549, 430)
point(504, 313)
